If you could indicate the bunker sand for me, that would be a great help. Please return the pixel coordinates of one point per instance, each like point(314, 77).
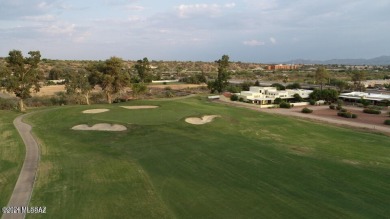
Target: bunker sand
point(93, 111)
point(100, 127)
point(200, 121)
point(139, 107)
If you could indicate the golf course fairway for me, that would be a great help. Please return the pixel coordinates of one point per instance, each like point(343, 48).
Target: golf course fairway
point(242, 164)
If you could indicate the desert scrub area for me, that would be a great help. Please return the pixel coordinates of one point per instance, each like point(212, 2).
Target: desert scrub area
point(242, 164)
point(11, 155)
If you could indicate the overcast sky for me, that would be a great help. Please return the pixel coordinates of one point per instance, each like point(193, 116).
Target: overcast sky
point(246, 30)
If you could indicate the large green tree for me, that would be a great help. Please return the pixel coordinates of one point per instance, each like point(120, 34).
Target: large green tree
point(22, 75)
point(78, 83)
point(143, 68)
point(113, 78)
point(357, 78)
point(321, 76)
point(221, 82)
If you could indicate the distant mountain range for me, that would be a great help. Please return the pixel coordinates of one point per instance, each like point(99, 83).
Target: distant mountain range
point(382, 60)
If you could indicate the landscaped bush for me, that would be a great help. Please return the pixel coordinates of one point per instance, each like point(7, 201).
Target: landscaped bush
point(372, 111)
point(306, 110)
point(343, 110)
point(234, 97)
point(387, 122)
point(312, 102)
point(285, 105)
point(278, 100)
point(347, 115)
point(339, 107)
point(241, 99)
point(8, 104)
point(332, 107)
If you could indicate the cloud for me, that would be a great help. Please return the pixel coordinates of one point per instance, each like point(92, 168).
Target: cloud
point(197, 9)
point(273, 40)
point(134, 7)
point(40, 18)
point(262, 4)
point(254, 43)
point(59, 29)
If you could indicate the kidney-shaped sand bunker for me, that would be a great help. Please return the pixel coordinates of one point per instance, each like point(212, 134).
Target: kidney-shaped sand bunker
point(200, 121)
point(100, 127)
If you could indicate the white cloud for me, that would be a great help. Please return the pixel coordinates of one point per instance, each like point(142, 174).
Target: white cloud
point(230, 5)
point(254, 43)
point(135, 7)
point(39, 18)
point(273, 40)
point(262, 4)
point(58, 29)
point(210, 9)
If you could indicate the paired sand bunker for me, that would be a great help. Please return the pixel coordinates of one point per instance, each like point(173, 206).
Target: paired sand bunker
point(139, 107)
point(200, 121)
point(93, 111)
point(100, 127)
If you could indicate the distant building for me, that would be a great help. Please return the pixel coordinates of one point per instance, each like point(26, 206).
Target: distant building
point(282, 67)
point(267, 95)
point(373, 98)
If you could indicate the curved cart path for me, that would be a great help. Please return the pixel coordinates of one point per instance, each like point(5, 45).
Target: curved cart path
point(24, 185)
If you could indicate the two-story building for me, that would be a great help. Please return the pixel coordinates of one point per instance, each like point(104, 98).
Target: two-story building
point(267, 95)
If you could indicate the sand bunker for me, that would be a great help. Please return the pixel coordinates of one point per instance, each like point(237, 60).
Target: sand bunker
point(139, 107)
point(100, 127)
point(96, 111)
point(201, 121)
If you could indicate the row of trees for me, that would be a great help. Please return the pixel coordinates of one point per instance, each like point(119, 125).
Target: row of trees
point(322, 77)
point(22, 76)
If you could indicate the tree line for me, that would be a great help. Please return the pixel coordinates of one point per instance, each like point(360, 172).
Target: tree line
point(22, 76)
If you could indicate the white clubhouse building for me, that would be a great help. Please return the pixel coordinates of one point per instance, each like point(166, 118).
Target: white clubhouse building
point(267, 95)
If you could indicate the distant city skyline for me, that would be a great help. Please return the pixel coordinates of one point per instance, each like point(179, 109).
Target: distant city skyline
point(247, 30)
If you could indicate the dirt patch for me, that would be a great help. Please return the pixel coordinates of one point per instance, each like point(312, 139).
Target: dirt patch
point(100, 127)
point(200, 121)
point(352, 162)
point(139, 107)
point(49, 90)
point(93, 111)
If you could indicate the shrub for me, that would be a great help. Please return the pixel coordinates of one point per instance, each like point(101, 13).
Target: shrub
point(312, 102)
point(372, 111)
point(8, 104)
point(278, 100)
point(285, 105)
point(387, 122)
point(234, 97)
point(332, 107)
point(339, 107)
point(343, 110)
point(306, 110)
point(241, 99)
point(347, 115)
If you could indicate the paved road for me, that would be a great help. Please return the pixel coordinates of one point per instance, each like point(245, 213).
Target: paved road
point(24, 185)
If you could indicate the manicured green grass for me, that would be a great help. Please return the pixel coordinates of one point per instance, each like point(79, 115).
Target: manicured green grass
point(244, 164)
point(12, 153)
